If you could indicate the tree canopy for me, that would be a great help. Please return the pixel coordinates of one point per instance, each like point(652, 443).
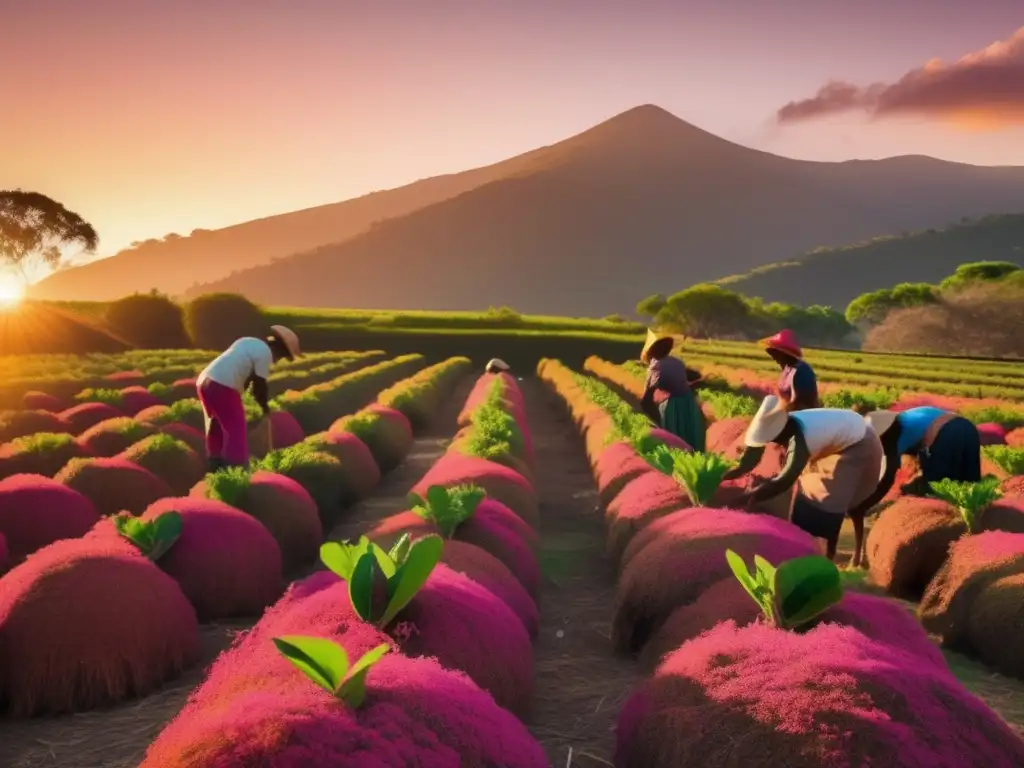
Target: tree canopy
point(34, 228)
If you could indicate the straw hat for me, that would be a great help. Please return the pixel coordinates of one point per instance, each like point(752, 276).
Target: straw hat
point(288, 338)
point(652, 339)
point(881, 421)
point(785, 342)
point(496, 364)
point(768, 423)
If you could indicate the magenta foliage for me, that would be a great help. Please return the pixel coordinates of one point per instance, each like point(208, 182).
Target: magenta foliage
point(992, 434)
point(191, 436)
point(136, 398)
point(123, 376)
point(415, 713)
point(466, 627)
point(225, 561)
point(360, 468)
point(285, 430)
point(87, 415)
point(672, 441)
point(497, 529)
point(4, 553)
point(36, 511)
point(615, 467)
point(501, 483)
point(42, 401)
point(830, 696)
point(391, 414)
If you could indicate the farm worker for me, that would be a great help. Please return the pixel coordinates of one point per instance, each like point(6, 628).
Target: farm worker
point(834, 454)
point(947, 446)
point(221, 385)
point(797, 385)
point(497, 366)
point(668, 398)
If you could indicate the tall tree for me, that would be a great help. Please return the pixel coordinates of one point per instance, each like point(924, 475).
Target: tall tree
point(35, 228)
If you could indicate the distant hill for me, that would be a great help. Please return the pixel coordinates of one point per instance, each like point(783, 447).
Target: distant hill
point(836, 276)
point(590, 224)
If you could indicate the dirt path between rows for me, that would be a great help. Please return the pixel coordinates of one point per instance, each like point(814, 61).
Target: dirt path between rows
point(580, 686)
point(118, 737)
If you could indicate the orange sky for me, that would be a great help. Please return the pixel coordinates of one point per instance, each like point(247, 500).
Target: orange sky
point(149, 117)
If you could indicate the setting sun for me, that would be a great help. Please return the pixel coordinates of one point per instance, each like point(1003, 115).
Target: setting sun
point(11, 291)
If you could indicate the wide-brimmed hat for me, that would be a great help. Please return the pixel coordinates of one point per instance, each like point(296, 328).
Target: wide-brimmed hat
point(784, 341)
point(288, 338)
point(768, 423)
point(497, 364)
point(652, 339)
point(881, 421)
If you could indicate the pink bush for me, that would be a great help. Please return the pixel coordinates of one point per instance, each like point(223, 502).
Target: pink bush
point(1013, 487)
point(672, 441)
point(135, 399)
point(285, 430)
point(225, 561)
point(123, 376)
point(154, 414)
point(4, 555)
point(41, 401)
point(188, 435)
point(83, 625)
point(15, 424)
point(82, 417)
point(110, 437)
point(360, 470)
point(465, 627)
point(674, 559)
point(501, 483)
point(830, 696)
point(616, 467)
point(726, 436)
point(113, 485)
point(992, 434)
point(415, 713)
point(36, 511)
point(651, 495)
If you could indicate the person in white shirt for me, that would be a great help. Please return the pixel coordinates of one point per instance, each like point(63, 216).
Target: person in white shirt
point(496, 366)
point(246, 363)
point(834, 454)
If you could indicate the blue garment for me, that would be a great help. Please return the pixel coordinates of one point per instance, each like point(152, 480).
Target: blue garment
point(914, 423)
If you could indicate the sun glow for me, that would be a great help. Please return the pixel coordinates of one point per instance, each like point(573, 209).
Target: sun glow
point(11, 291)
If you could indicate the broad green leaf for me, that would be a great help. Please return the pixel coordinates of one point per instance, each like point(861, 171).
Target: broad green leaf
point(165, 530)
point(700, 473)
point(384, 561)
point(437, 496)
point(740, 571)
point(362, 588)
point(322, 661)
point(424, 555)
point(805, 587)
point(970, 499)
point(353, 688)
point(400, 550)
point(341, 557)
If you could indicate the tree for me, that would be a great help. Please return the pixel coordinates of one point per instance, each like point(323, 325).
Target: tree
point(706, 310)
point(215, 320)
point(148, 320)
point(34, 228)
point(872, 308)
point(651, 306)
point(977, 272)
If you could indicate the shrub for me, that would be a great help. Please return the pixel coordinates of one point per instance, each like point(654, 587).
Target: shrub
point(361, 472)
point(994, 628)
point(216, 320)
point(36, 511)
point(283, 506)
point(82, 417)
point(418, 713)
point(319, 473)
point(642, 501)
point(154, 414)
point(969, 499)
point(149, 321)
point(15, 424)
point(616, 467)
point(878, 618)
point(284, 430)
point(676, 558)
point(43, 453)
point(122, 629)
point(830, 696)
point(225, 562)
point(192, 437)
point(188, 411)
point(1011, 460)
point(385, 431)
point(41, 401)
point(136, 399)
point(113, 485)
point(170, 459)
point(109, 438)
point(500, 483)
point(792, 594)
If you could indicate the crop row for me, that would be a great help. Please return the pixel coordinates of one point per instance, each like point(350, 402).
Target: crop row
point(99, 608)
point(413, 647)
point(731, 680)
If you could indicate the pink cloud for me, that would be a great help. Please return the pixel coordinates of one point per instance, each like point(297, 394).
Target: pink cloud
point(984, 88)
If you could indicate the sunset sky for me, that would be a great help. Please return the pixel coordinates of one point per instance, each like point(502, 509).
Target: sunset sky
point(153, 116)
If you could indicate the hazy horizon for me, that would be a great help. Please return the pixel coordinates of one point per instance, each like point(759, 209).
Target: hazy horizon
point(151, 120)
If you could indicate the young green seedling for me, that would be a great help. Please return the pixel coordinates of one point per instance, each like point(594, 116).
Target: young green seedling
point(326, 664)
point(154, 537)
point(448, 508)
point(380, 583)
point(700, 473)
point(970, 499)
point(792, 594)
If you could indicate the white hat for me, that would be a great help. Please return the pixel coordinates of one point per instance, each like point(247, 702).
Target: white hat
point(497, 365)
point(881, 421)
point(288, 338)
point(768, 423)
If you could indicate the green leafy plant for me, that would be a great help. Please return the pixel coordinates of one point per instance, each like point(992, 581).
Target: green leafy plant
point(792, 594)
point(700, 473)
point(1009, 459)
point(152, 537)
point(448, 508)
point(229, 484)
point(729, 405)
point(861, 402)
point(108, 396)
point(970, 499)
point(381, 583)
point(326, 664)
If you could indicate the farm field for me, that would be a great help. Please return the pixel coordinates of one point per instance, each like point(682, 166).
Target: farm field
point(525, 563)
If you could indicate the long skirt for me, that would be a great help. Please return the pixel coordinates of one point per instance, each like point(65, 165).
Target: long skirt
point(955, 454)
point(681, 415)
point(227, 434)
